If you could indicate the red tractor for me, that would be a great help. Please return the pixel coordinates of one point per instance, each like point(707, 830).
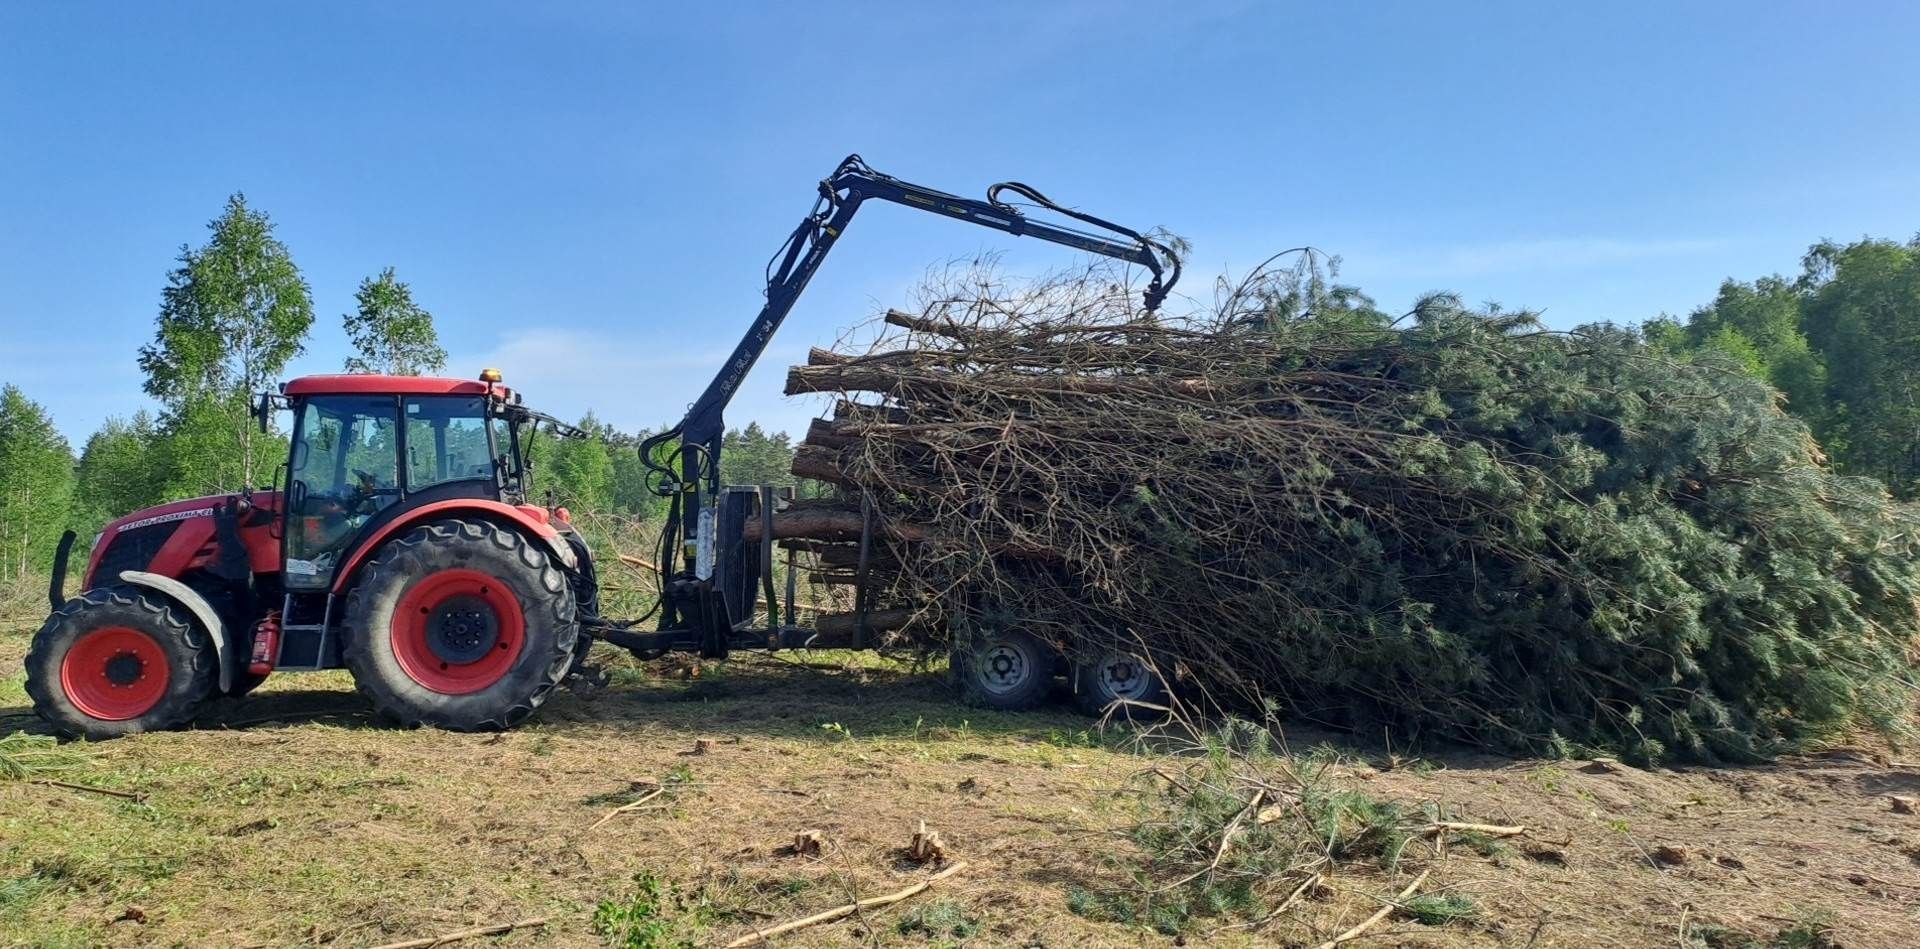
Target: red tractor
point(403, 548)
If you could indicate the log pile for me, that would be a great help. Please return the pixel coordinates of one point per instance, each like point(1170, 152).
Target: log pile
point(1455, 524)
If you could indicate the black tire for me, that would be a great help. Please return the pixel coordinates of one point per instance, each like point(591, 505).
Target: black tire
point(243, 684)
point(156, 631)
point(463, 625)
point(586, 595)
point(1010, 670)
point(583, 644)
point(1117, 676)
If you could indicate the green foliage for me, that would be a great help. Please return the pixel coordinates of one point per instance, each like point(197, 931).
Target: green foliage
point(638, 922)
point(942, 920)
point(392, 334)
point(1841, 343)
point(1354, 824)
point(231, 316)
point(205, 443)
point(1861, 310)
point(118, 472)
point(577, 472)
point(1810, 931)
point(751, 456)
point(1664, 567)
point(17, 893)
point(1440, 909)
point(36, 485)
point(31, 756)
point(1239, 829)
point(603, 472)
point(656, 915)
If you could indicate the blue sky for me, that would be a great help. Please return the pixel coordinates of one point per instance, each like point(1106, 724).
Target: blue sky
point(585, 195)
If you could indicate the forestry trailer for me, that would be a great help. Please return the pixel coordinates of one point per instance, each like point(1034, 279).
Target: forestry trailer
point(406, 545)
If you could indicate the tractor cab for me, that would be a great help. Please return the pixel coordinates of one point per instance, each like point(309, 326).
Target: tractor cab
point(367, 448)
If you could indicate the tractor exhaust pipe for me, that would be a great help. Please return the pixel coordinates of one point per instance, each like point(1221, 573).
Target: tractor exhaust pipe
point(57, 585)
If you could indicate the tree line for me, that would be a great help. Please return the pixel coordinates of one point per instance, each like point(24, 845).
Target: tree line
point(1841, 341)
point(234, 312)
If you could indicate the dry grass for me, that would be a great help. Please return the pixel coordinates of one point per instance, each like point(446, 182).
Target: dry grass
point(292, 817)
point(23, 603)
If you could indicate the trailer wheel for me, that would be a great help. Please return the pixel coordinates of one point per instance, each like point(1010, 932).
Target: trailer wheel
point(1116, 676)
point(115, 661)
point(463, 625)
point(1009, 670)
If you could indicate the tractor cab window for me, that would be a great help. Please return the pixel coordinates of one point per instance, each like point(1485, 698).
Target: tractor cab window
point(447, 441)
point(509, 446)
point(343, 470)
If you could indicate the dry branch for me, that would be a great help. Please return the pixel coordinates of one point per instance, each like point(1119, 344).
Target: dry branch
point(628, 807)
point(110, 792)
point(640, 563)
point(1384, 912)
point(862, 377)
point(817, 524)
point(494, 930)
point(819, 464)
point(822, 433)
point(762, 935)
point(1490, 830)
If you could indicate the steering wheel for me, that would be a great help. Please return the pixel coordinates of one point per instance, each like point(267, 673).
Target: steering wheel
point(366, 491)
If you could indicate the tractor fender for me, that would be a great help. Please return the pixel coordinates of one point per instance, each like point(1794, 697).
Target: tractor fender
point(526, 518)
point(197, 605)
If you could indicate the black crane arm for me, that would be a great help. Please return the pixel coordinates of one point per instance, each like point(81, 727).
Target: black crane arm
point(841, 194)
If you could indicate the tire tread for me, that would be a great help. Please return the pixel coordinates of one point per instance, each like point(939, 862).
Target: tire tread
point(166, 620)
point(409, 554)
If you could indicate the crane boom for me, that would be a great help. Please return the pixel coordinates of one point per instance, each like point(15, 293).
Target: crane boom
point(853, 182)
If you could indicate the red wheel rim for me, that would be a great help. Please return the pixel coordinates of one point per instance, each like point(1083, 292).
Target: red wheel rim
point(115, 673)
point(458, 631)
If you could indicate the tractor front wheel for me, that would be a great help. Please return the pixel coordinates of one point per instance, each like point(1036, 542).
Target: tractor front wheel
point(463, 625)
point(115, 661)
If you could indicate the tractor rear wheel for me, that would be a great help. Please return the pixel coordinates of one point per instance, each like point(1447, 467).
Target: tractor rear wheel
point(586, 595)
point(463, 625)
point(1009, 670)
point(115, 661)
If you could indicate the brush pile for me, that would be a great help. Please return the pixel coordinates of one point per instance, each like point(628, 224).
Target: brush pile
point(1455, 524)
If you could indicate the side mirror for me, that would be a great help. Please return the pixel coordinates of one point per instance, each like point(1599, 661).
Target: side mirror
point(263, 412)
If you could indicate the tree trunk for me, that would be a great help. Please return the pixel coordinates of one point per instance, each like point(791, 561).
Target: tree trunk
point(845, 625)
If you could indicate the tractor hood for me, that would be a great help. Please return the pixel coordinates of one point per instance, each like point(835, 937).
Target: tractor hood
point(167, 539)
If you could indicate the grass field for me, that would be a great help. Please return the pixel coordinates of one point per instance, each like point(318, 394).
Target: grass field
point(294, 817)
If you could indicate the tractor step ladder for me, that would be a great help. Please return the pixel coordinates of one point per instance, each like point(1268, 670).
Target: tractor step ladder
point(304, 645)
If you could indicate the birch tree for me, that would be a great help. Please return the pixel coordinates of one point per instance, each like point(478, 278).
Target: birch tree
point(233, 313)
